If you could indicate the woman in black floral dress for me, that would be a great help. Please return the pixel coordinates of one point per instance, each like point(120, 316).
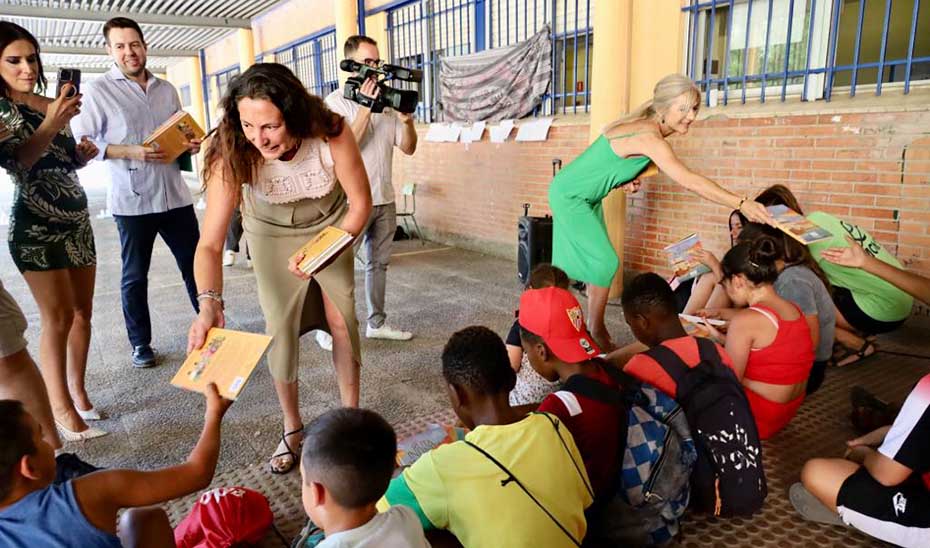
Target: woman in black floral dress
point(50, 236)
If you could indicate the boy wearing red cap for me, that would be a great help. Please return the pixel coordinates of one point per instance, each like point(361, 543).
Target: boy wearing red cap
point(559, 347)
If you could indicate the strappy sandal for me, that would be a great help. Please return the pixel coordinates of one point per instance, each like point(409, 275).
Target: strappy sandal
point(288, 452)
point(862, 354)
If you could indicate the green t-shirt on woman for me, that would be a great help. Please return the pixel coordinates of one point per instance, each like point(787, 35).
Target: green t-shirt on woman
point(876, 297)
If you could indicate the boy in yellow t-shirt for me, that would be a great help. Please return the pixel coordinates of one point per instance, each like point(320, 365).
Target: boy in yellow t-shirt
point(516, 480)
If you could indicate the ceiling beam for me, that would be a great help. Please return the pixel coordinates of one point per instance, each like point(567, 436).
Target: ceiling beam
point(71, 14)
point(152, 52)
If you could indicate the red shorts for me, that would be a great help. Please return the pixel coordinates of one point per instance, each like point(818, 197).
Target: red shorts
point(771, 417)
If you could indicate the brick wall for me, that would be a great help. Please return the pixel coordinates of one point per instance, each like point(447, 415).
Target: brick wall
point(870, 168)
point(472, 196)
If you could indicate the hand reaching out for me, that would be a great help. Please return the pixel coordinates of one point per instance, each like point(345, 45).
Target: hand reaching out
point(853, 256)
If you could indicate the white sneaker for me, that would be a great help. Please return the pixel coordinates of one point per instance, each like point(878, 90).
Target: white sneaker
point(385, 332)
point(248, 262)
point(325, 340)
point(229, 258)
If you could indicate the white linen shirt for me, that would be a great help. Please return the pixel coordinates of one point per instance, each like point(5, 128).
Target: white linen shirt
point(384, 132)
point(116, 110)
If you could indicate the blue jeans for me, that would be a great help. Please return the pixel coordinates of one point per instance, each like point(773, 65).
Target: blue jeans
point(179, 229)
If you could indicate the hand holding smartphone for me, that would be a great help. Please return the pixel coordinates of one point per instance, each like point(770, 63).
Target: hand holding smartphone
point(69, 76)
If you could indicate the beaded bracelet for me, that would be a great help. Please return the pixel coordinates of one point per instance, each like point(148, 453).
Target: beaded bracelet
point(212, 295)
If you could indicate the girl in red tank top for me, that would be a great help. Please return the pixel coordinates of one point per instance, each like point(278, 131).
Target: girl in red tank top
point(769, 342)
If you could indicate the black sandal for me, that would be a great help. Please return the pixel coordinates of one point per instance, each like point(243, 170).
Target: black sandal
point(861, 353)
point(288, 452)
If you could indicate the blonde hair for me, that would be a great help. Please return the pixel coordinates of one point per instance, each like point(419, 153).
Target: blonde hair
point(667, 90)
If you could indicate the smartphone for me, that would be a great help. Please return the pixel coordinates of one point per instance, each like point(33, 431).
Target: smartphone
point(69, 76)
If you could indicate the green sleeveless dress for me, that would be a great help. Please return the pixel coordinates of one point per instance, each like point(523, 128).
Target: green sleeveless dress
point(580, 245)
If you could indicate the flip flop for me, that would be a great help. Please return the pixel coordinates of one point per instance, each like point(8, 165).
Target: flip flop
point(294, 457)
point(810, 507)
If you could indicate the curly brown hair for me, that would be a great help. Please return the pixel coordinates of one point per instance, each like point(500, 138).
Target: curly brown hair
point(305, 116)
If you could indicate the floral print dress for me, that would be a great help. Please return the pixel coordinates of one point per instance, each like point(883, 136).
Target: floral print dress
point(49, 222)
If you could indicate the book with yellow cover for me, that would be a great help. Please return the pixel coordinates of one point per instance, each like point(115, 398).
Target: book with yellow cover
point(319, 251)
point(172, 136)
point(651, 171)
point(227, 358)
point(797, 226)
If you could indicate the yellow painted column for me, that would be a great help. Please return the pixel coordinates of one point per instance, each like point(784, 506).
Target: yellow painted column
point(657, 47)
point(196, 83)
point(376, 29)
point(246, 46)
point(346, 25)
point(610, 99)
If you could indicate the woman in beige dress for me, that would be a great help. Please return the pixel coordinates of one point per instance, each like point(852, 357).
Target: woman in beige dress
point(295, 168)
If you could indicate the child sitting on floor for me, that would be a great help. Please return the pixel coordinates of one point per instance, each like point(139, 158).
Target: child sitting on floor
point(878, 491)
point(769, 342)
point(531, 388)
point(516, 479)
point(83, 512)
point(348, 459)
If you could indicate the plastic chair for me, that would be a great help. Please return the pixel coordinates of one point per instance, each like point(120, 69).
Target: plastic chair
point(409, 192)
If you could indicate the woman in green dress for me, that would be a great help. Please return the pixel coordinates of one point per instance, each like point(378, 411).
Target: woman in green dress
point(580, 244)
point(50, 237)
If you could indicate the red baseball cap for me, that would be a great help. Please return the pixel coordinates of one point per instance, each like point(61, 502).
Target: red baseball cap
point(555, 315)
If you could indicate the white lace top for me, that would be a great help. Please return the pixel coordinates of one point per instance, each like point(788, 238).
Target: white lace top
point(309, 174)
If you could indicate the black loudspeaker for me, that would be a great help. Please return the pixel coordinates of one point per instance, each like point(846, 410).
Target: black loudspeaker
point(534, 243)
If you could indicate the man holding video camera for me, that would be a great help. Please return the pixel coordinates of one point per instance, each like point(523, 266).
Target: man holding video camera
point(377, 133)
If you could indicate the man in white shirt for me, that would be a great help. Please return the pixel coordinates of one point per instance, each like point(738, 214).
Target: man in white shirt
point(148, 196)
point(377, 135)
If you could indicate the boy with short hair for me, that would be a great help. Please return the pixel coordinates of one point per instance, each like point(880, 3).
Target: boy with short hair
point(559, 348)
point(347, 462)
point(82, 512)
point(649, 309)
point(516, 479)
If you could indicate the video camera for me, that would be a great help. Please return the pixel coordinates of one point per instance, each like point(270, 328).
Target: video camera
point(402, 100)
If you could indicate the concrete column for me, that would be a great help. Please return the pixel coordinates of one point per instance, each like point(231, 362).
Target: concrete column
point(376, 29)
point(246, 47)
point(196, 83)
point(657, 46)
point(610, 72)
point(346, 25)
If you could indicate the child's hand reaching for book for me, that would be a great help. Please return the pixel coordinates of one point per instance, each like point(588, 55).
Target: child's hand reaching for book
point(216, 404)
point(193, 146)
point(292, 266)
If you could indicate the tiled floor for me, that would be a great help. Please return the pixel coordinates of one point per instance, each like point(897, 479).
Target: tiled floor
point(432, 291)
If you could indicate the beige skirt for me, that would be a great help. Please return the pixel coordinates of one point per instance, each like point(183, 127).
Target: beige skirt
point(293, 306)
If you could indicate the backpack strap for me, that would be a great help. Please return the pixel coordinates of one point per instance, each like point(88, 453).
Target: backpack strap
point(512, 478)
point(670, 361)
point(583, 385)
point(707, 350)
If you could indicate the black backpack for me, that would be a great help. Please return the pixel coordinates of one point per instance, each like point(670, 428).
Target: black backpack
point(728, 479)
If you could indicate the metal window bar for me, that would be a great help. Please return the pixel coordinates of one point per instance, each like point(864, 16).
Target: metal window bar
point(423, 32)
point(313, 59)
point(701, 42)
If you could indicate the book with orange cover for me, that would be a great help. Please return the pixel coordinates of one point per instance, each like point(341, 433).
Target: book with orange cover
point(797, 226)
point(319, 251)
point(172, 136)
point(226, 358)
point(414, 447)
point(651, 171)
